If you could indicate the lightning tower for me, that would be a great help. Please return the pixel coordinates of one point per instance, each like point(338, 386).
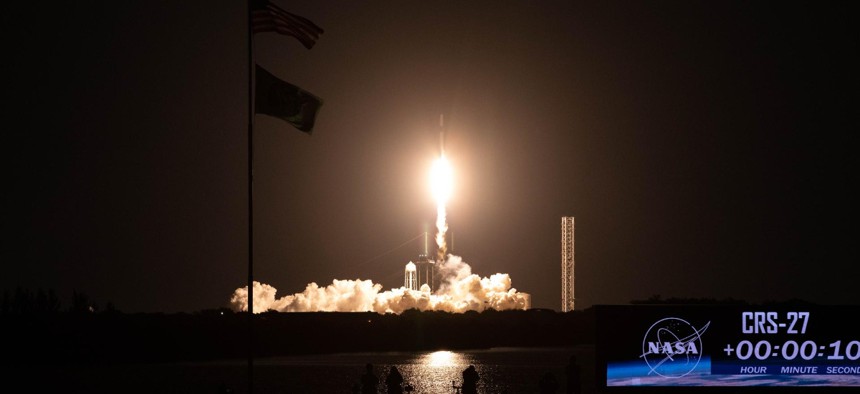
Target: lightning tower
point(567, 264)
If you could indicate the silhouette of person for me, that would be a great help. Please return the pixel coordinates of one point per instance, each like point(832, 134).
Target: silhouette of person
point(574, 385)
point(369, 381)
point(224, 389)
point(393, 381)
point(548, 384)
point(470, 380)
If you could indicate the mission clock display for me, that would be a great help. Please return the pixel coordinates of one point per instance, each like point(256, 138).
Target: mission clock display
point(788, 342)
point(695, 345)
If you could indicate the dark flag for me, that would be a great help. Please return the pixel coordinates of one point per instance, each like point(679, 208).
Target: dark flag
point(266, 17)
point(285, 101)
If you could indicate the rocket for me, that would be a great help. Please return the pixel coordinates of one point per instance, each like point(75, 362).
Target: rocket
point(442, 134)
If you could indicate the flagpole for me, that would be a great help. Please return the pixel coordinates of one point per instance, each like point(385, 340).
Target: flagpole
point(250, 200)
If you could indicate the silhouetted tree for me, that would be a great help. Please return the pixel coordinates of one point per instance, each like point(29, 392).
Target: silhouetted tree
point(658, 300)
point(110, 308)
point(654, 299)
point(81, 303)
point(22, 303)
point(6, 304)
point(789, 302)
point(53, 301)
point(47, 302)
point(26, 302)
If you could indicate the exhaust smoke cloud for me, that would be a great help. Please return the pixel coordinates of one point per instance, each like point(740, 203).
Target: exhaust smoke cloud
point(461, 291)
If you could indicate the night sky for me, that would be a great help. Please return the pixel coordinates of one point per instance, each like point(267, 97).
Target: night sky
point(706, 149)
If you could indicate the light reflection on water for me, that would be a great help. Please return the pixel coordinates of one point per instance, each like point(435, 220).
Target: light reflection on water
point(504, 370)
point(509, 370)
point(441, 358)
point(436, 372)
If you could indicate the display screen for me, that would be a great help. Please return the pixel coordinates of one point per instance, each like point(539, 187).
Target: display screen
point(681, 345)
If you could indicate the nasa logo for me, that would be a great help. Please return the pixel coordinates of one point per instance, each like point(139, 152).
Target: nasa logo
point(672, 347)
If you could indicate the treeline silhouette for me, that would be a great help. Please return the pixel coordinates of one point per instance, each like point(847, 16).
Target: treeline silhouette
point(40, 330)
point(74, 337)
point(42, 302)
point(657, 299)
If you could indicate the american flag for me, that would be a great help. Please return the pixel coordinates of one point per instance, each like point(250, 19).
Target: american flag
point(266, 17)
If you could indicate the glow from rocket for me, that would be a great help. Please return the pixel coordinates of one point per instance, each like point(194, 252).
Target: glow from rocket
point(459, 289)
point(442, 184)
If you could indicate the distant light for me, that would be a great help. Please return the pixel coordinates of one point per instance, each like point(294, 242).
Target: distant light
point(222, 313)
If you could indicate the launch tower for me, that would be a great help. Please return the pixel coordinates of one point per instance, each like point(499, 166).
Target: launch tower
point(567, 264)
point(422, 272)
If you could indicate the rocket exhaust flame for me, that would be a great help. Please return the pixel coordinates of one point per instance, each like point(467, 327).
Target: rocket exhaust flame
point(441, 182)
point(442, 227)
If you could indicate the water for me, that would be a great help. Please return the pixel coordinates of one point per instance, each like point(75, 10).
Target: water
point(502, 370)
point(505, 370)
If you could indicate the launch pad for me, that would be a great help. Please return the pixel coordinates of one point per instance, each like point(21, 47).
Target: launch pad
point(423, 271)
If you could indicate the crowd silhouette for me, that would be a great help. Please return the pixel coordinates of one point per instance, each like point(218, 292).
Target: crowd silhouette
point(369, 381)
point(574, 380)
point(395, 383)
point(470, 380)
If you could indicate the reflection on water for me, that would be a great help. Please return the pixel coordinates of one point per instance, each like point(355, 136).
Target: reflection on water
point(508, 370)
point(511, 370)
point(441, 358)
point(435, 372)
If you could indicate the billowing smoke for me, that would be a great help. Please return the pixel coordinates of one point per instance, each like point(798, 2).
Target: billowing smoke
point(460, 291)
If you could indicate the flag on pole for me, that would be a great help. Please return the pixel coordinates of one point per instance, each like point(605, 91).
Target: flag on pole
point(267, 17)
point(286, 101)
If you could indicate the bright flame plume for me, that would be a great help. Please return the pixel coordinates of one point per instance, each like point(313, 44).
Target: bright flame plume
point(442, 184)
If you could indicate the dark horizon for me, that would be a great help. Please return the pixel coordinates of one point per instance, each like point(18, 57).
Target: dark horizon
point(28, 303)
point(704, 148)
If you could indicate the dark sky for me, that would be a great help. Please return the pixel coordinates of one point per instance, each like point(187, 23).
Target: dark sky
point(706, 149)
